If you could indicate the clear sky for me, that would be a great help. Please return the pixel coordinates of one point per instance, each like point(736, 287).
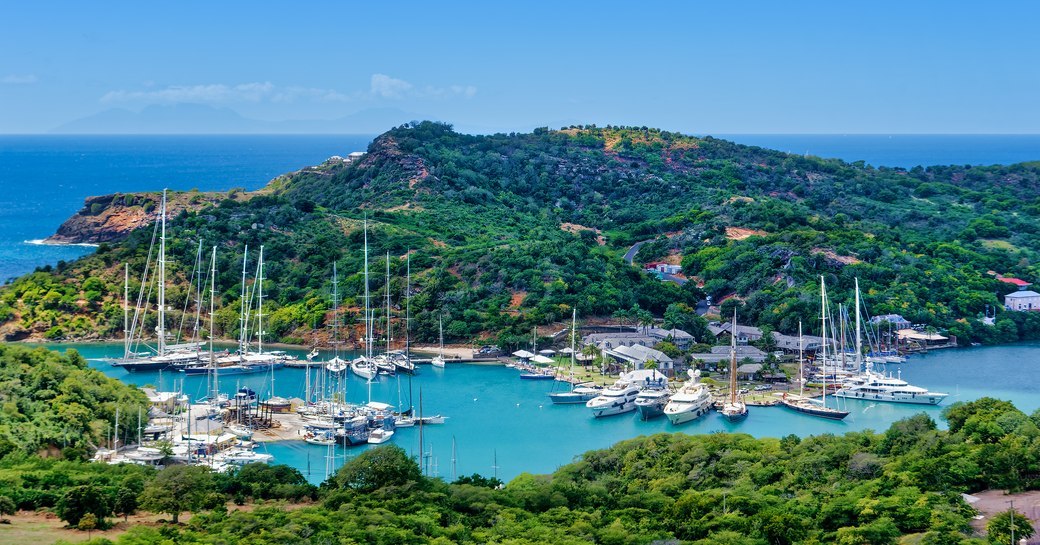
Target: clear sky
point(690, 66)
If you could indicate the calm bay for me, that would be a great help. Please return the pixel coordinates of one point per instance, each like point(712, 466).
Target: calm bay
point(496, 419)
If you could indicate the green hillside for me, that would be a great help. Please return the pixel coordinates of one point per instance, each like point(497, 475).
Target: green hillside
point(506, 232)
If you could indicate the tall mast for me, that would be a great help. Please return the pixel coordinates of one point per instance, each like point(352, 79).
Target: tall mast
point(126, 309)
point(574, 325)
point(242, 325)
point(801, 362)
point(368, 322)
point(859, 339)
point(388, 303)
point(260, 303)
point(161, 328)
point(733, 361)
point(212, 297)
point(407, 305)
point(823, 334)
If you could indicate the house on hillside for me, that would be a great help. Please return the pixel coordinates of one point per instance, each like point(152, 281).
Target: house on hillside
point(722, 354)
point(680, 338)
point(608, 341)
point(662, 268)
point(897, 321)
point(1022, 300)
point(745, 333)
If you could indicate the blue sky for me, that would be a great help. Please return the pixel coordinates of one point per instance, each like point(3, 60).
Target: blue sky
point(694, 67)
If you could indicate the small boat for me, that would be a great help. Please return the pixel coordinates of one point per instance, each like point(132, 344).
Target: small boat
point(536, 376)
point(337, 365)
point(312, 354)
point(239, 456)
point(438, 360)
point(320, 438)
point(364, 368)
point(577, 394)
point(379, 436)
point(435, 419)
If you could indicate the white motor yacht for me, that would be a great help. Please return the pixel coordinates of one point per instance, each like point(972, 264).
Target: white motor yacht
point(874, 386)
point(617, 398)
point(691, 401)
point(379, 435)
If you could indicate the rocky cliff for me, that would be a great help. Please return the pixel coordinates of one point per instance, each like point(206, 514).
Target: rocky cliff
point(111, 218)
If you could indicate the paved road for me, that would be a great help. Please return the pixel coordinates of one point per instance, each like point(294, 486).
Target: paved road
point(631, 253)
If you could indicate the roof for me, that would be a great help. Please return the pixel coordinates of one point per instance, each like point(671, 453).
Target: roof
point(919, 336)
point(640, 353)
point(676, 334)
point(1016, 281)
point(748, 368)
point(541, 359)
point(1022, 294)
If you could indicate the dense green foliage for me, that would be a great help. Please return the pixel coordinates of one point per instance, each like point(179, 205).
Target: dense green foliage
point(52, 401)
point(510, 231)
point(859, 488)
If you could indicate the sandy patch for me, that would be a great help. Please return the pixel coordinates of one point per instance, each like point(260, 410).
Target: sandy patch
point(740, 233)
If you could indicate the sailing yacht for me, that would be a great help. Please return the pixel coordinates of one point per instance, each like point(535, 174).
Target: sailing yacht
point(692, 401)
point(578, 393)
point(438, 360)
point(336, 364)
point(735, 409)
point(808, 405)
point(164, 355)
point(364, 366)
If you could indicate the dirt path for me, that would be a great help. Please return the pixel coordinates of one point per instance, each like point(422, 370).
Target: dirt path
point(991, 502)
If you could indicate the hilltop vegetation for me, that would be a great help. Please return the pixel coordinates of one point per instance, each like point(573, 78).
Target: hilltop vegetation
point(860, 488)
point(511, 231)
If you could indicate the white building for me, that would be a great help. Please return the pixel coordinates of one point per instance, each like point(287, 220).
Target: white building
point(638, 355)
point(1022, 300)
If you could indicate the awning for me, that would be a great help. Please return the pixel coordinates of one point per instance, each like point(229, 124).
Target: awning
point(523, 354)
point(542, 359)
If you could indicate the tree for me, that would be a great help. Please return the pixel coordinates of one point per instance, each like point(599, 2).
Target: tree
point(7, 507)
point(89, 522)
point(126, 502)
point(377, 468)
point(79, 501)
point(176, 489)
point(999, 528)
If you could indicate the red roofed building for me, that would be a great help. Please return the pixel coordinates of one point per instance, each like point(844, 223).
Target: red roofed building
point(1021, 284)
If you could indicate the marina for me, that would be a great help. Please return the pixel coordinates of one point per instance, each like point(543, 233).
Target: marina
point(490, 410)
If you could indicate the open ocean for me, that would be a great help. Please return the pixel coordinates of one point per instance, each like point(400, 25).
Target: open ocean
point(495, 419)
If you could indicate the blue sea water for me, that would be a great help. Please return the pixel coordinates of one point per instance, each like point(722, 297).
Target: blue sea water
point(497, 419)
point(904, 150)
point(44, 179)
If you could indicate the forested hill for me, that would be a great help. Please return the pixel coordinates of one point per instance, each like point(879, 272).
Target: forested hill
point(510, 231)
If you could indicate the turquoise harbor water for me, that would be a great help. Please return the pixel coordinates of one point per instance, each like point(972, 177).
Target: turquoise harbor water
point(495, 416)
